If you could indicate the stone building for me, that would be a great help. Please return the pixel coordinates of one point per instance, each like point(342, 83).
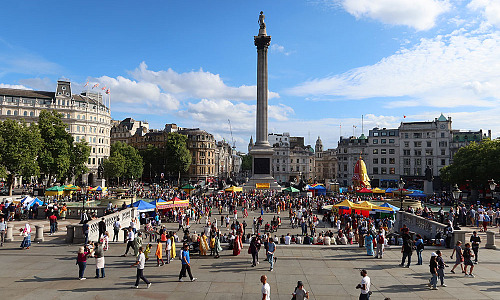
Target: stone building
point(224, 160)
point(348, 152)
point(121, 131)
point(87, 116)
point(326, 164)
point(201, 145)
point(383, 157)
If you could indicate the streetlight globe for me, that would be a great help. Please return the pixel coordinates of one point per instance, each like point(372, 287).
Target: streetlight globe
point(492, 184)
point(456, 191)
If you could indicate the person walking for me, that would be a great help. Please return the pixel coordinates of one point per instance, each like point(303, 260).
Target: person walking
point(364, 285)
point(102, 227)
point(441, 266)
point(271, 248)
point(159, 253)
point(99, 259)
point(433, 265)
point(52, 223)
point(475, 240)
point(217, 247)
point(254, 248)
point(407, 250)
point(467, 258)
point(130, 241)
point(116, 229)
point(419, 244)
point(300, 293)
point(168, 248)
point(186, 264)
point(81, 261)
point(459, 259)
point(26, 233)
point(137, 243)
point(141, 261)
point(265, 291)
point(3, 230)
point(380, 245)
point(85, 229)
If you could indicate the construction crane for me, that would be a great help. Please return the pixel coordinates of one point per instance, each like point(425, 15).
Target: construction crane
point(231, 130)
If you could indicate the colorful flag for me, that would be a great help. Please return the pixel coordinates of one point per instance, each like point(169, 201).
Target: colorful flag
point(87, 83)
point(107, 91)
point(103, 88)
point(404, 117)
point(95, 85)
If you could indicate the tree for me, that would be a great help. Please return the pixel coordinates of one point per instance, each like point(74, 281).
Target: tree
point(57, 145)
point(474, 165)
point(154, 160)
point(79, 155)
point(19, 148)
point(178, 156)
point(246, 164)
point(132, 162)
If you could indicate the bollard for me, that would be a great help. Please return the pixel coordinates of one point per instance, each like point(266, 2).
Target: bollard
point(10, 230)
point(70, 232)
point(490, 240)
point(458, 235)
point(39, 233)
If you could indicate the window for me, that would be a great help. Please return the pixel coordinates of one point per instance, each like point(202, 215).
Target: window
point(406, 135)
point(443, 162)
point(375, 161)
point(383, 170)
point(407, 144)
point(442, 134)
point(428, 152)
point(345, 150)
point(406, 171)
point(443, 144)
point(406, 152)
point(15, 113)
point(417, 144)
point(345, 168)
point(443, 152)
point(25, 113)
point(375, 151)
point(297, 160)
point(406, 161)
point(383, 160)
point(375, 134)
point(392, 160)
point(383, 141)
point(375, 170)
point(32, 114)
point(383, 133)
point(375, 141)
point(392, 170)
point(418, 161)
point(417, 135)
point(417, 171)
point(383, 151)
point(429, 161)
point(418, 152)
point(391, 141)
point(392, 151)
point(429, 144)
point(8, 112)
point(392, 133)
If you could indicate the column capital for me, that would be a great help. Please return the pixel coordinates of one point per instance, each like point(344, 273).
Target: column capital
point(262, 41)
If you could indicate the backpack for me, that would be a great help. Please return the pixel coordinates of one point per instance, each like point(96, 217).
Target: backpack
point(420, 247)
point(380, 239)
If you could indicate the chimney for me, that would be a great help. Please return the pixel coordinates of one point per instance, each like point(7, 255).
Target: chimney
point(489, 133)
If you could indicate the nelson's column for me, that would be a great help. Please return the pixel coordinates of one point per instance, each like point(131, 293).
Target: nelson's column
point(262, 152)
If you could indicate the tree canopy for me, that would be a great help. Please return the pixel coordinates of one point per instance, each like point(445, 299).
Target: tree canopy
point(474, 165)
point(178, 156)
point(124, 162)
point(246, 164)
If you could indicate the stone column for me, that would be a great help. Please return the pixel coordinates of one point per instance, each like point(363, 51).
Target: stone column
point(262, 41)
point(490, 240)
point(70, 232)
point(458, 235)
point(10, 230)
point(39, 233)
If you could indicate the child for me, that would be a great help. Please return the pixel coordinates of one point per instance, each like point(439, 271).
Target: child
point(147, 251)
point(159, 253)
point(468, 260)
point(105, 241)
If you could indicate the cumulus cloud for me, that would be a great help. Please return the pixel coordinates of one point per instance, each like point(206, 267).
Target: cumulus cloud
point(459, 69)
point(277, 48)
point(418, 14)
point(133, 96)
point(13, 86)
point(195, 84)
point(490, 9)
point(40, 84)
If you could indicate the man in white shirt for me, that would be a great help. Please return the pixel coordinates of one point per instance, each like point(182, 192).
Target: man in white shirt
point(364, 286)
point(3, 231)
point(287, 239)
point(116, 229)
point(266, 289)
point(168, 248)
point(141, 261)
point(130, 241)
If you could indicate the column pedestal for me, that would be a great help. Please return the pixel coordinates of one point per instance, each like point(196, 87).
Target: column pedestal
point(490, 240)
point(9, 235)
point(39, 233)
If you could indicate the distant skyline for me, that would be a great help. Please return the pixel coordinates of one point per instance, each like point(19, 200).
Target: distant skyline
point(330, 62)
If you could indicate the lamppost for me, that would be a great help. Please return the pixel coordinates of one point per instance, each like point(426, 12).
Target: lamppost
point(493, 185)
point(401, 185)
point(456, 193)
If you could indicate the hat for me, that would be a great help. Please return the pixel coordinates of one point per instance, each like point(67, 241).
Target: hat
point(434, 254)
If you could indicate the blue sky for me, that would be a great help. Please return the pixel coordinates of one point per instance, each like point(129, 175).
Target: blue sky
point(194, 63)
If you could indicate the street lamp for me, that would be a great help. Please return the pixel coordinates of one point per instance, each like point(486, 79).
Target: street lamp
point(493, 185)
point(456, 193)
point(401, 185)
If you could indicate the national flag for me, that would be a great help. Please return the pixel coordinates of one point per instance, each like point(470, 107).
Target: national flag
point(95, 85)
point(404, 117)
point(107, 91)
point(103, 88)
point(87, 83)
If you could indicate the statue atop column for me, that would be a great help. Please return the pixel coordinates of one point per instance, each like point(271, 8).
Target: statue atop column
point(262, 30)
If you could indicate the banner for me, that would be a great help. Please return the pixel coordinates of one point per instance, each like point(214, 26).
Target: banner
point(262, 186)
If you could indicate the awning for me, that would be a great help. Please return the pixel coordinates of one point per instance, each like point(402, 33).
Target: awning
point(291, 189)
point(143, 206)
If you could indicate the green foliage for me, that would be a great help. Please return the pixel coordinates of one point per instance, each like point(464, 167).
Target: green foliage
point(474, 164)
point(19, 148)
point(246, 164)
point(79, 155)
point(55, 151)
point(154, 160)
point(124, 161)
point(177, 153)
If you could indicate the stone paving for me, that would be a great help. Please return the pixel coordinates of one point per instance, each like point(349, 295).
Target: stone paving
point(48, 271)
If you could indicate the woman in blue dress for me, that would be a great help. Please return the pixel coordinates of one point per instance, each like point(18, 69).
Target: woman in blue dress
point(369, 244)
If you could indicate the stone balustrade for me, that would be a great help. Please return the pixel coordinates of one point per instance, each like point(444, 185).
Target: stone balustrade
point(75, 233)
point(76, 212)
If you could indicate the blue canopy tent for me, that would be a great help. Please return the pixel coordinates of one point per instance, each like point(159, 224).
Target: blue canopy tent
point(30, 202)
point(390, 190)
point(320, 190)
point(394, 208)
point(417, 194)
point(143, 206)
point(158, 201)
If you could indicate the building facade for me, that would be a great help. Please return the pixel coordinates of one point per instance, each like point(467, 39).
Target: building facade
point(326, 164)
point(87, 116)
point(382, 159)
point(121, 131)
point(348, 152)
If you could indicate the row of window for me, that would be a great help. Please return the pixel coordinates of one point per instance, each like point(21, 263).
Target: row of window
point(383, 170)
point(384, 160)
point(420, 135)
point(384, 133)
point(384, 151)
point(383, 141)
point(292, 169)
point(417, 152)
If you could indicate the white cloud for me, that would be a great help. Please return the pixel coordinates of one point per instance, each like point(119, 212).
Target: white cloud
point(490, 9)
point(418, 14)
point(277, 48)
point(13, 86)
point(133, 96)
point(40, 84)
point(446, 71)
point(195, 84)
